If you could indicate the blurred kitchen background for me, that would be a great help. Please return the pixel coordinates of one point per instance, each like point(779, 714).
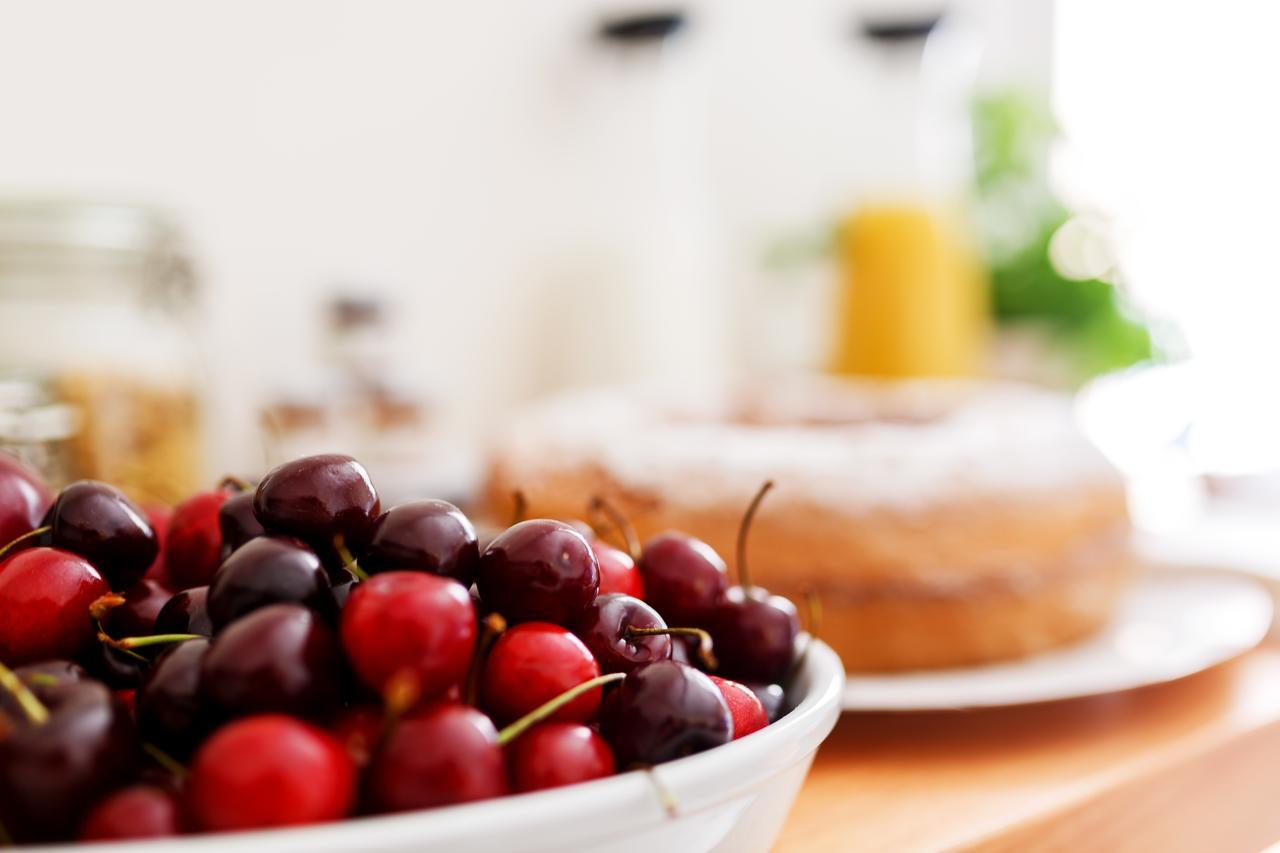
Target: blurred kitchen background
point(235, 232)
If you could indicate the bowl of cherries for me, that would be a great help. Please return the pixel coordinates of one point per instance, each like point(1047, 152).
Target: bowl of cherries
point(287, 666)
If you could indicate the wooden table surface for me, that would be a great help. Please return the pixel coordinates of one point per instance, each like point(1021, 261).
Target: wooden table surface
point(1193, 765)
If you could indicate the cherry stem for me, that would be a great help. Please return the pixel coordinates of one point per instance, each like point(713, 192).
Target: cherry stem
point(348, 559)
point(128, 643)
point(35, 710)
point(520, 507)
point(744, 574)
point(231, 481)
point(704, 640)
point(103, 605)
point(548, 708)
point(165, 760)
point(26, 537)
point(621, 522)
point(490, 629)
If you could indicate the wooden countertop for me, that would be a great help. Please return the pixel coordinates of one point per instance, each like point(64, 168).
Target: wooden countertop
point(1191, 765)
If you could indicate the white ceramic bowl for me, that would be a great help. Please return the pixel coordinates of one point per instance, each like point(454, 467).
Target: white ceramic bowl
point(732, 798)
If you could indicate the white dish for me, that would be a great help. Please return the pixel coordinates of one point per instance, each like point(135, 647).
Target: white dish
point(1171, 624)
point(732, 798)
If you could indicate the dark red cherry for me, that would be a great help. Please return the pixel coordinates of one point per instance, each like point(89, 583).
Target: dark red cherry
point(530, 665)
point(603, 627)
point(45, 595)
point(772, 698)
point(663, 711)
point(172, 710)
point(52, 772)
point(428, 535)
point(137, 615)
point(539, 571)
point(554, 754)
point(268, 570)
point(439, 756)
point(317, 499)
point(755, 634)
point(185, 613)
point(744, 706)
point(139, 811)
point(38, 677)
point(115, 668)
point(99, 523)
point(237, 523)
point(23, 499)
point(281, 658)
point(683, 577)
point(410, 632)
point(193, 546)
point(618, 572)
point(270, 770)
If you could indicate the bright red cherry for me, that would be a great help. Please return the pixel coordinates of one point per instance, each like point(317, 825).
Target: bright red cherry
point(193, 547)
point(539, 571)
point(554, 754)
point(428, 535)
point(99, 523)
point(23, 499)
point(270, 770)
point(663, 711)
point(533, 663)
point(45, 595)
point(618, 572)
point(744, 706)
point(409, 632)
point(439, 756)
point(318, 499)
point(603, 628)
point(139, 811)
point(683, 577)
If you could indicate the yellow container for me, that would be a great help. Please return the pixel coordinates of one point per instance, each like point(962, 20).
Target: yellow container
point(912, 297)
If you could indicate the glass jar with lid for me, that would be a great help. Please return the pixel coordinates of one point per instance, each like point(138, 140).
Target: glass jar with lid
point(97, 302)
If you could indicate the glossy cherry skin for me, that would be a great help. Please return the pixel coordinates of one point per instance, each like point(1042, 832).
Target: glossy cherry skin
point(193, 546)
point(23, 499)
point(603, 628)
point(270, 770)
point(439, 756)
point(237, 523)
point(186, 612)
point(744, 706)
point(554, 754)
point(158, 516)
point(663, 711)
point(281, 658)
point(51, 773)
point(411, 630)
point(137, 616)
point(683, 577)
point(139, 811)
point(772, 698)
point(539, 571)
point(530, 665)
point(45, 595)
point(429, 536)
point(317, 499)
point(618, 572)
point(172, 710)
point(268, 570)
point(99, 523)
point(755, 634)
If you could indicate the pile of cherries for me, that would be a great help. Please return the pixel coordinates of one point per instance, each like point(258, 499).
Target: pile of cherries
point(290, 653)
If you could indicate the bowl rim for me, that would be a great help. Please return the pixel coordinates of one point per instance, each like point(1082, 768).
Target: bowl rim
point(677, 789)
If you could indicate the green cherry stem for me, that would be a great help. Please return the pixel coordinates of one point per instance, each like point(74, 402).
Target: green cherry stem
point(548, 708)
point(744, 575)
point(35, 710)
point(26, 537)
point(704, 640)
point(129, 643)
point(165, 760)
point(231, 481)
point(348, 559)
